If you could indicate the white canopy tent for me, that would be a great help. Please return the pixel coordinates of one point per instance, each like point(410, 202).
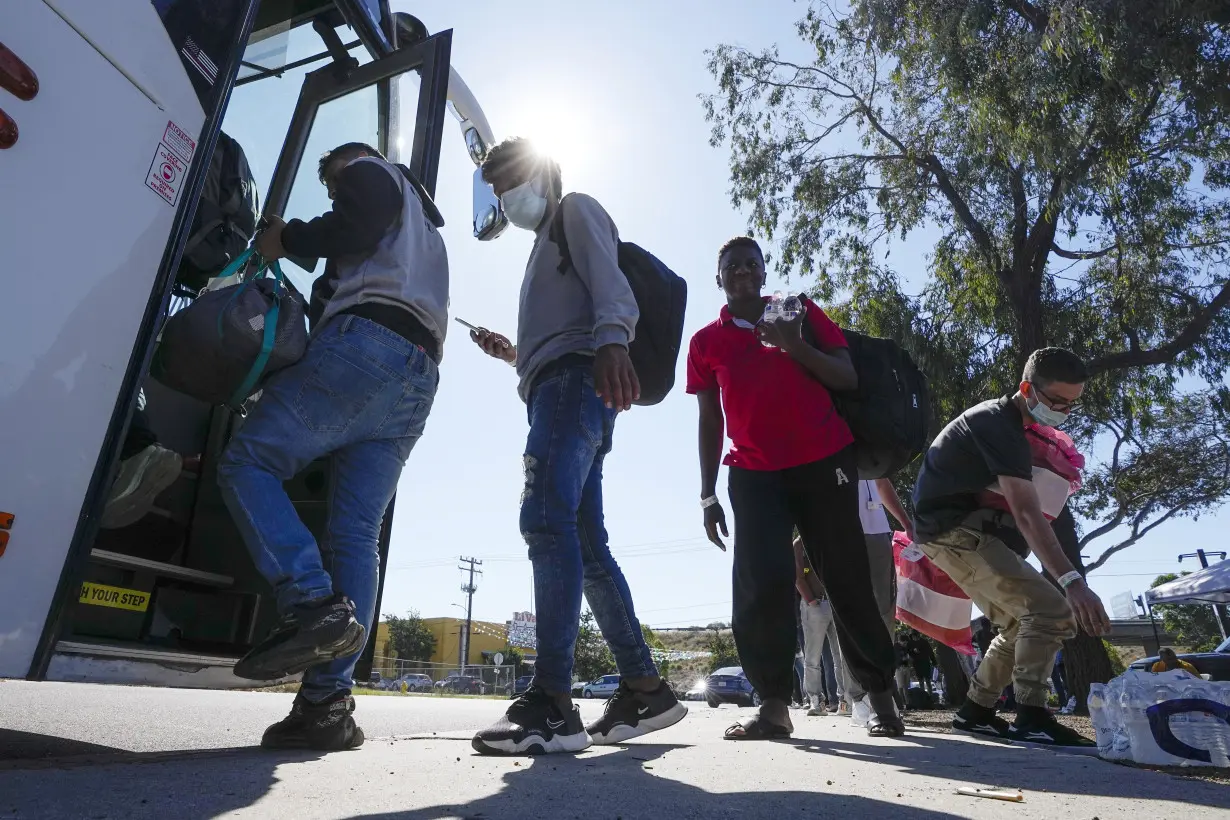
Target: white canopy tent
point(1208, 586)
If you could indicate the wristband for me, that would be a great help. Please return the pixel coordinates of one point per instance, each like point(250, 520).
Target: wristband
point(1068, 578)
point(706, 503)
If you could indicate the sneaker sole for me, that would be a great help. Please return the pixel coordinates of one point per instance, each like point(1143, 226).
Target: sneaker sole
point(301, 743)
point(981, 732)
point(130, 509)
point(533, 745)
point(623, 732)
point(281, 662)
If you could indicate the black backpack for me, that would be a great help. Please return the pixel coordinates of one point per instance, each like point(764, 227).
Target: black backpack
point(226, 217)
point(889, 412)
point(661, 296)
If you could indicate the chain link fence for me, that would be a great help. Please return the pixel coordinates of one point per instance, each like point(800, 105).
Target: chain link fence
point(425, 676)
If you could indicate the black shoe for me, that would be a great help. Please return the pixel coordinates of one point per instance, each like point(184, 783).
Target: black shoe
point(1035, 724)
point(980, 720)
point(884, 722)
point(533, 725)
point(326, 726)
point(631, 714)
point(305, 637)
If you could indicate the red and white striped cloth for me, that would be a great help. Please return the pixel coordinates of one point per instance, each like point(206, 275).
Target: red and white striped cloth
point(929, 601)
point(1057, 471)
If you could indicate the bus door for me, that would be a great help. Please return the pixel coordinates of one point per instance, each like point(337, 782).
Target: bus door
point(114, 107)
point(174, 599)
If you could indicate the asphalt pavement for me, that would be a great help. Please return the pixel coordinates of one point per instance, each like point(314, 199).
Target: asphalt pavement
point(77, 750)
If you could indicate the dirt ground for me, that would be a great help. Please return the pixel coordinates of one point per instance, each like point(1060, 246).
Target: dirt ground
point(940, 720)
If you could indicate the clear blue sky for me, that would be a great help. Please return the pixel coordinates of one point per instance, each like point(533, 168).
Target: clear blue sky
point(612, 90)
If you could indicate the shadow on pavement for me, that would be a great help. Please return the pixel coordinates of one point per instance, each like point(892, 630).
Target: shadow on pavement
point(940, 755)
point(26, 746)
point(106, 782)
point(621, 785)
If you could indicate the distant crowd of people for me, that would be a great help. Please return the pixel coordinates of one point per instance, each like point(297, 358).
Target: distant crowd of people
point(812, 546)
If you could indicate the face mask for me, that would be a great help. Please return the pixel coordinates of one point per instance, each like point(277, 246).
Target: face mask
point(524, 205)
point(1045, 415)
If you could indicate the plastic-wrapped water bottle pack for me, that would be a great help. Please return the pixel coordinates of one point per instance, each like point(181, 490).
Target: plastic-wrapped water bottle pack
point(1162, 719)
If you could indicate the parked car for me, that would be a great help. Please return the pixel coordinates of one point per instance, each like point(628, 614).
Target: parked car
point(518, 687)
point(578, 688)
point(604, 687)
point(730, 685)
point(697, 692)
point(414, 683)
point(462, 685)
point(1215, 664)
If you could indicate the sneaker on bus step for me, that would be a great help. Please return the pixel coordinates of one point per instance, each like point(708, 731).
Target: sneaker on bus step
point(326, 726)
point(142, 478)
point(305, 636)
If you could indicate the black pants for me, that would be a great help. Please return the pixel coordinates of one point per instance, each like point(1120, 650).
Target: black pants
point(140, 435)
point(820, 500)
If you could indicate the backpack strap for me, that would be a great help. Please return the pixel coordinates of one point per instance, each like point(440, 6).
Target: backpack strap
point(557, 235)
point(267, 340)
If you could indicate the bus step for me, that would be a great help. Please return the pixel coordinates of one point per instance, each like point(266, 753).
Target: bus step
point(131, 651)
point(161, 569)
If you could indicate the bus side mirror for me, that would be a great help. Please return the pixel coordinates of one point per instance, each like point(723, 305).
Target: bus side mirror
point(489, 219)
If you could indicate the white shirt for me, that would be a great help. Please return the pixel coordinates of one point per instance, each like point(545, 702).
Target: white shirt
point(871, 509)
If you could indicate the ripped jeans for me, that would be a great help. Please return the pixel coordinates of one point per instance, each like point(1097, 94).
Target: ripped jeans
point(561, 520)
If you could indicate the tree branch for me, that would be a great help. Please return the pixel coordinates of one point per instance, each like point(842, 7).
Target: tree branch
point(1137, 534)
point(1081, 256)
point(1020, 208)
point(1166, 353)
point(1036, 17)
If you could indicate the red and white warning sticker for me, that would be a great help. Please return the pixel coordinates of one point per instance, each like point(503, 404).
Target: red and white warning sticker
point(166, 174)
point(178, 141)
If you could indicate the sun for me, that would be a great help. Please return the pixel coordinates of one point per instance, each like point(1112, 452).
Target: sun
point(559, 132)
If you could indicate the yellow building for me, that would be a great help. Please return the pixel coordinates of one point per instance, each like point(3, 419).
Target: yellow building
point(486, 638)
point(382, 639)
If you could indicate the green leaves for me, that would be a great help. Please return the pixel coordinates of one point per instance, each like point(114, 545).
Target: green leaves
point(1074, 160)
point(410, 637)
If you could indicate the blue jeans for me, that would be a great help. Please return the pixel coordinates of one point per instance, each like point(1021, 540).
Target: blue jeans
point(361, 396)
point(561, 520)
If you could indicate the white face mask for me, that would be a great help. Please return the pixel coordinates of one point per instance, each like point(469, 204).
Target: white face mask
point(1045, 415)
point(525, 205)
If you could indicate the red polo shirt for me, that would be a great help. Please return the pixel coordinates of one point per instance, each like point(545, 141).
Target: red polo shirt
point(777, 414)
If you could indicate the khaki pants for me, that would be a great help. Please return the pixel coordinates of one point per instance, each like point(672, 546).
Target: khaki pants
point(1033, 616)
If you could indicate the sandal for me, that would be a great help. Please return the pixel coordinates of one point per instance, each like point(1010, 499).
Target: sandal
point(757, 729)
point(885, 726)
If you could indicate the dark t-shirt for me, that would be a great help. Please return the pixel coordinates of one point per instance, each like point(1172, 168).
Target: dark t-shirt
point(976, 448)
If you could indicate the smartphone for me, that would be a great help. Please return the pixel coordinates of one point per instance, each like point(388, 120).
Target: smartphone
point(463, 322)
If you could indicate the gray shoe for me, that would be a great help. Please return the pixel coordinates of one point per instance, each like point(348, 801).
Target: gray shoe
point(140, 481)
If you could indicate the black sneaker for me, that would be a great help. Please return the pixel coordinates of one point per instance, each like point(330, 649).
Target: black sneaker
point(325, 726)
point(980, 720)
point(305, 637)
point(533, 725)
point(1035, 724)
point(631, 714)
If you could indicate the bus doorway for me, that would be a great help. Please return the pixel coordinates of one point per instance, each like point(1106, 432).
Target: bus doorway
point(173, 598)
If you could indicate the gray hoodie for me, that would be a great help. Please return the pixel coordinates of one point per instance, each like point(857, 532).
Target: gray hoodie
point(587, 307)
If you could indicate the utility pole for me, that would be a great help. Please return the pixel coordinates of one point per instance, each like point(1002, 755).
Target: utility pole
point(463, 645)
point(1201, 556)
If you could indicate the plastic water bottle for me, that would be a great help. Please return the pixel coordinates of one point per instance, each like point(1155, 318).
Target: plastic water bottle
point(1103, 731)
point(792, 306)
point(772, 312)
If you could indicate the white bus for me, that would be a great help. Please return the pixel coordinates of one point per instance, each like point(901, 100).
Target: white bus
point(109, 113)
